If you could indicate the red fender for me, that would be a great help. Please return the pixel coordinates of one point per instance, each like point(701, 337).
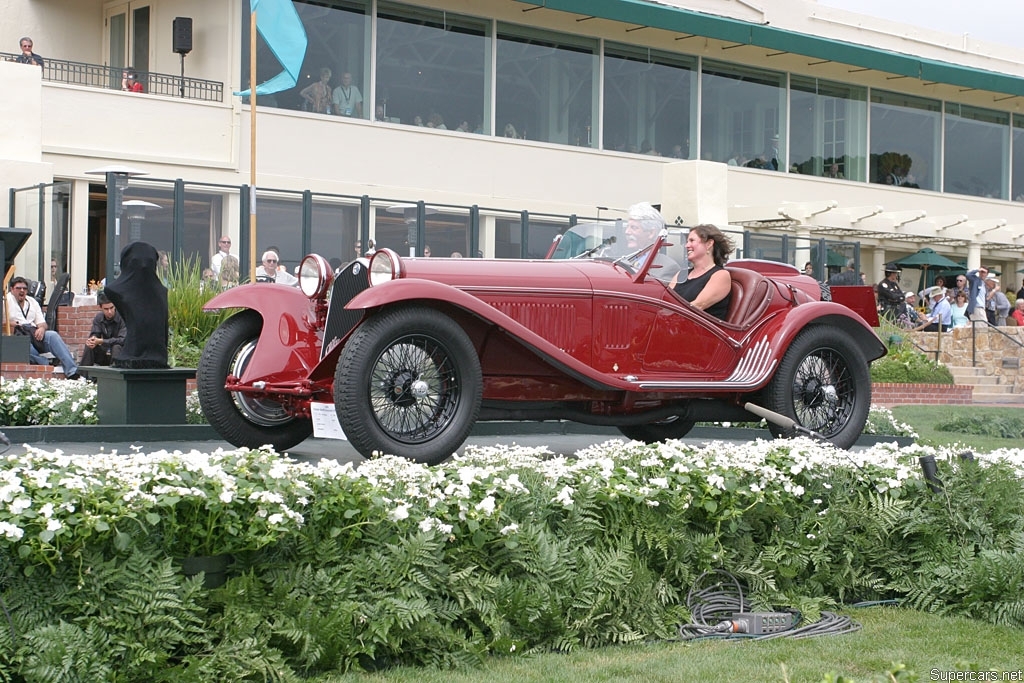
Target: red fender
point(288, 347)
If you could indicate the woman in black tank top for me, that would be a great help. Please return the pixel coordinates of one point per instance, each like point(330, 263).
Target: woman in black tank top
point(708, 286)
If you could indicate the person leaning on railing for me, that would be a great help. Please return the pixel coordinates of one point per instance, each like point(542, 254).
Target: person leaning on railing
point(27, 56)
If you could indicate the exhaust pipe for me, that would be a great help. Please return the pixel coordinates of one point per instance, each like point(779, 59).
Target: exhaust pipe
point(782, 421)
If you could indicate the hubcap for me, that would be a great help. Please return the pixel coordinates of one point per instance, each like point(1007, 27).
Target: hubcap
point(823, 392)
point(260, 411)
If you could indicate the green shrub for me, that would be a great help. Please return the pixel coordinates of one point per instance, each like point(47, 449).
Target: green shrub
point(905, 364)
point(999, 426)
point(190, 326)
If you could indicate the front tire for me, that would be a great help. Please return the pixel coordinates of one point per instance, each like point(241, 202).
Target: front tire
point(408, 383)
point(824, 384)
point(242, 419)
point(670, 428)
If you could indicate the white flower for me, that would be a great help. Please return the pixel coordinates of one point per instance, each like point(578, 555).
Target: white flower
point(54, 525)
point(510, 529)
point(486, 505)
point(399, 513)
point(565, 496)
point(10, 531)
point(19, 505)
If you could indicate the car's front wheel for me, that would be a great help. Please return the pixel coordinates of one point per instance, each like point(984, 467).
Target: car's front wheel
point(824, 384)
point(670, 428)
point(408, 383)
point(242, 419)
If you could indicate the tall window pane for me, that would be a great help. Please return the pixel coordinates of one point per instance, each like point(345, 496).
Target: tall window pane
point(977, 151)
point(1018, 158)
point(827, 129)
point(431, 69)
point(649, 101)
point(741, 110)
point(337, 36)
point(546, 85)
point(904, 140)
point(335, 230)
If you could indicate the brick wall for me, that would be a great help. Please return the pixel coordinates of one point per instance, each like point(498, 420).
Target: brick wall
point(889, 395)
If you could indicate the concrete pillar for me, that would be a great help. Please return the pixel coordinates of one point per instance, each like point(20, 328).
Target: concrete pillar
point(695, 192)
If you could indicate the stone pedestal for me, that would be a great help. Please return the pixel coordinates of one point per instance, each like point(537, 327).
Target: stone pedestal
point(14, 348)
point(129, 396)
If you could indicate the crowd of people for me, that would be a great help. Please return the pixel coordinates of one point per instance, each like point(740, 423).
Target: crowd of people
point(975, 296)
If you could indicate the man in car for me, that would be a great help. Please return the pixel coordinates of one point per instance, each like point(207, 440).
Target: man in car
point(645, 223)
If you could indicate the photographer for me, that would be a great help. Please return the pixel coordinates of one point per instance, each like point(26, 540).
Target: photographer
point(27, 317)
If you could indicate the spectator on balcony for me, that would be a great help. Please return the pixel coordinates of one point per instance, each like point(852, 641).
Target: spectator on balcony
point(106, 338)
point(130, 81)
point(318, 95)
point(940, 313)
point(1018, 312)
point(347, 99)
point(27, 56)
point(270, 272)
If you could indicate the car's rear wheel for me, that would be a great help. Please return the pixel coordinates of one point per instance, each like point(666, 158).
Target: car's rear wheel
point(242, 419)
point(824, 384)
point(670, 428)
point(408, 383)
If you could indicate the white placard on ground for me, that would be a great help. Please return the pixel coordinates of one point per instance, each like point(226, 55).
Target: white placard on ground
point(325, 421)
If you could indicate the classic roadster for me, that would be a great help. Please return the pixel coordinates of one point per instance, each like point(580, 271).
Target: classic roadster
point(403, 355)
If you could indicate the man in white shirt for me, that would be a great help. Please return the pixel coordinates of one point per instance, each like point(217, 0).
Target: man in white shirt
point(223, 251)
point(269, 272)
point(24, 311)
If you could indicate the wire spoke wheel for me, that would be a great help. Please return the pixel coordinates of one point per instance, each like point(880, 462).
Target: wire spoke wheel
point(822, 383)
point(408, 383)
point(414, 389)
point(823, 392)
point(261, 411)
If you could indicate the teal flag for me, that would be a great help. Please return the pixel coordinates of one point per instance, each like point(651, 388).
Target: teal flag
point(282, 30)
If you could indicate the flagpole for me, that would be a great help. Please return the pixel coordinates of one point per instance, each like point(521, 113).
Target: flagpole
point(252, 143)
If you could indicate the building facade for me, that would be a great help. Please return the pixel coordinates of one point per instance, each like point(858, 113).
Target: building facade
point(487, 126)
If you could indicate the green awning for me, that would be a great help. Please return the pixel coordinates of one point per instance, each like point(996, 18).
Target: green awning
point(677, 19)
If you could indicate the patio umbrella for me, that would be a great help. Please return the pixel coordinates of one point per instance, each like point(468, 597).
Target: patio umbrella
point(924, 259)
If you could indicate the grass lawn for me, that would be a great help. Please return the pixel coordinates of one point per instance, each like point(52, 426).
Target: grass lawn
point(889, 637)
point(925, 418)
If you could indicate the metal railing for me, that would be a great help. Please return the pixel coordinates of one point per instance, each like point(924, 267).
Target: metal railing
point(109, 77)
point(994, 328)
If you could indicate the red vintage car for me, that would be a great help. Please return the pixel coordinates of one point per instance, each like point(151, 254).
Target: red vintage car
point(403, 355)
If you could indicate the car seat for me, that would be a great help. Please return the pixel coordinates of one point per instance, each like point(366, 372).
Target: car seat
point(749, 297)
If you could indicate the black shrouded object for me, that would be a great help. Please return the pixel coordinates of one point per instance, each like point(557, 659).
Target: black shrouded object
point(183, 35)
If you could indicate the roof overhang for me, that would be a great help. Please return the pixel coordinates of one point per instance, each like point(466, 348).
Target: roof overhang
point(692, 23)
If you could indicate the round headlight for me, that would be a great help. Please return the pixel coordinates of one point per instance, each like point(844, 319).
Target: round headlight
point(315, 276)
point(385, 265)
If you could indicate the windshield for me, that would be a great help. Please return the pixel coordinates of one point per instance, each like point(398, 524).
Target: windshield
point(612, 240)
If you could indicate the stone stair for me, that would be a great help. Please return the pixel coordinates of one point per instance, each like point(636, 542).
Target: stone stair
point(988, 388)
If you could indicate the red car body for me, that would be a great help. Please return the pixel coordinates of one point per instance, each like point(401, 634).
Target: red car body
point(435, 345)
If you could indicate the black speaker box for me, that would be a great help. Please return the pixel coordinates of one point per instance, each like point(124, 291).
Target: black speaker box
point(183, 35)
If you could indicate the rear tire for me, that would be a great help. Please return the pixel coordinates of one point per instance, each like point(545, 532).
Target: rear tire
point(408, 383)
point(824, 384)
point(242, 419)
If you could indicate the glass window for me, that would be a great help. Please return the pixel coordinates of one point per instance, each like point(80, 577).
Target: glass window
point(336, 38)
point(977, 152)
point(446, 232)
point(649, 102)
point(904, 140)
point(432, 69)
point(1018, 158)
point(740, 114)
point(827, 129)
point(508, 236)
point(278, 227)
point(545, 86)
point(335, 231)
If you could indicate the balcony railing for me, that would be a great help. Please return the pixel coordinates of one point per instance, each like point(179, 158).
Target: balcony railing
point(109, 77)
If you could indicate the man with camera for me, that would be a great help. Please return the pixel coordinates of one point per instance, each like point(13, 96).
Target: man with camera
point(27, 318)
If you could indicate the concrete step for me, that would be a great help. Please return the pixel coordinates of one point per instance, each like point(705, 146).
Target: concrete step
point(997, 398)
point(976, 380)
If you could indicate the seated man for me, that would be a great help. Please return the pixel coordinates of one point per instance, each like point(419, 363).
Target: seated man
point(268, 271)
point(106, 338)
point(645, 223)
point(24, 312)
